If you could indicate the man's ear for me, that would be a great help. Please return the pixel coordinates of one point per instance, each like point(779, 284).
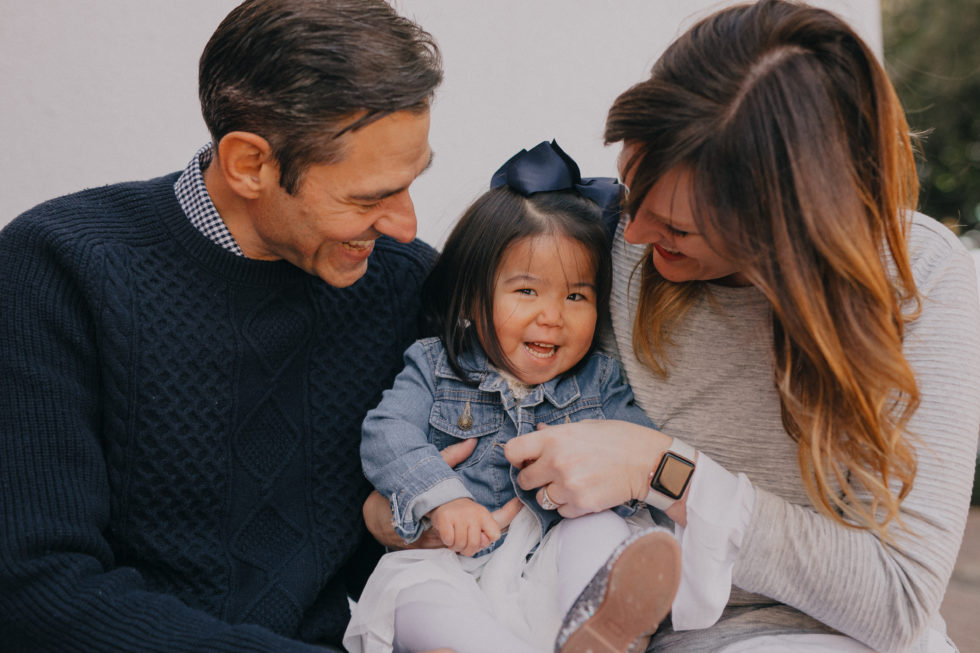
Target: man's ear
point(247, 163)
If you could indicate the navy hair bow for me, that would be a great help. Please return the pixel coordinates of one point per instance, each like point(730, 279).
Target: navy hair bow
point(546, 167)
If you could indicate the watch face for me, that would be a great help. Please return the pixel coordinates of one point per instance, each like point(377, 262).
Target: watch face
point(673, 476)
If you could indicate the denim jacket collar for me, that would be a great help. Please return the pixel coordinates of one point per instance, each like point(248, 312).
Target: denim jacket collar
point(560, 391)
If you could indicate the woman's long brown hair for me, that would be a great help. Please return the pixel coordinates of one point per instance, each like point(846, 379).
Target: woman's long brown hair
point(801, 158)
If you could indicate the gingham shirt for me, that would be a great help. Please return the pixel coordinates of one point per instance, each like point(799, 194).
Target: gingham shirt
point(194, 199)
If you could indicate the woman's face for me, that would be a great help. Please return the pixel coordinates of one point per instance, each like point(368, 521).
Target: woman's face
point(665, 220)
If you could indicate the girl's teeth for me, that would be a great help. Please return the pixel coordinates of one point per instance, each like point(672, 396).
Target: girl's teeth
point(540, 350)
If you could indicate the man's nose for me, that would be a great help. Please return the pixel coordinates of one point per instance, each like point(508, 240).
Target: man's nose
point(399, 220)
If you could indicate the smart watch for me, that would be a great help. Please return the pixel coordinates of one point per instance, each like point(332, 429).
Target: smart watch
point(672, 475)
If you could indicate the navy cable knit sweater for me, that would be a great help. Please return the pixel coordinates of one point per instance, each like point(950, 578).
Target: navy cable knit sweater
point(179, 430)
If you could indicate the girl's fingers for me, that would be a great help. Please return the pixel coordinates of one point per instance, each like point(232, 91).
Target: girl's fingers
point(476, 537)
point(505, 515)
point(448, 535)
point(489, 529)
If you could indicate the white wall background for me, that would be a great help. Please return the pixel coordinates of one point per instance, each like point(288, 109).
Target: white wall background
point(105, 91)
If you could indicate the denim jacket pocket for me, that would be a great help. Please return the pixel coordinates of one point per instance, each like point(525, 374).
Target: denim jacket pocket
point(585, 408)
point(463, 415)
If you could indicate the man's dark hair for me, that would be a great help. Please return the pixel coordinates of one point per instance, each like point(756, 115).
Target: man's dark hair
point(302, 73)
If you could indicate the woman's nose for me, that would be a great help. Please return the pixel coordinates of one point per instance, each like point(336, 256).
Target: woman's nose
point(640, 231)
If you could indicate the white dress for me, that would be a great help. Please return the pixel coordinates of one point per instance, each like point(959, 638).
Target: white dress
point(521, 594)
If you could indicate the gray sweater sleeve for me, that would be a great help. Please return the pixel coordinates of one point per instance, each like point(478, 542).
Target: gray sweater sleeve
point(879, 594)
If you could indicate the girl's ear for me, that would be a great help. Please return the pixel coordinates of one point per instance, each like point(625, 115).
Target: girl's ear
point(247, 164)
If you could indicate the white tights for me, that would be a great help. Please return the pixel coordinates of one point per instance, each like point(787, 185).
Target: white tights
point(435, 614)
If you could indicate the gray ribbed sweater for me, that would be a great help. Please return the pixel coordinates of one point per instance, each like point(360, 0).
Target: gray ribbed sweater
point(720, 398)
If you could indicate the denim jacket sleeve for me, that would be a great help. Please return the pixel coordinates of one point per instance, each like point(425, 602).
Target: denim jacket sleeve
point(396, 453)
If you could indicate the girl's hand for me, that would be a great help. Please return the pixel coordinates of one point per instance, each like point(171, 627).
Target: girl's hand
point(588, 466)
point(377, 510)
point(464, 526)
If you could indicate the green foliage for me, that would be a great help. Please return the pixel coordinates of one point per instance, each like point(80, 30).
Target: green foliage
point(932, 53)
point(975, 499)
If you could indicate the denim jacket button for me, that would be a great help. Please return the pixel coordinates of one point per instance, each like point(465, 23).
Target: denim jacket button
point(465, 420)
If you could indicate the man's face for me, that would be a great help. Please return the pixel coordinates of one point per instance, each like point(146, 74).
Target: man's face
point(329, 226)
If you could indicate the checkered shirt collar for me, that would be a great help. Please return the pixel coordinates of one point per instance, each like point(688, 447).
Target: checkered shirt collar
point(194, 199)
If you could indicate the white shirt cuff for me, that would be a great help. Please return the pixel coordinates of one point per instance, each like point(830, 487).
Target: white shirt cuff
point(719, 508)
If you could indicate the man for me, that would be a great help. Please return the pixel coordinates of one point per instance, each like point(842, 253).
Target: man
point(185, 361)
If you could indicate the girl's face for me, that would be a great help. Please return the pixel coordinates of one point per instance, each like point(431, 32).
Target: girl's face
point(665, 221)
point(544, 306)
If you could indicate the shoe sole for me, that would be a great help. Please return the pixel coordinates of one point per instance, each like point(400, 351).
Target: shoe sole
point(641, 588)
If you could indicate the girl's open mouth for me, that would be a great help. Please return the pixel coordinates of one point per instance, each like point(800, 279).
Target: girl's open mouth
point(540, 349)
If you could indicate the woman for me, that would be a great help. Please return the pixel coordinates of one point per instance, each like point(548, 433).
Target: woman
point(793, 321)
point(780, 310)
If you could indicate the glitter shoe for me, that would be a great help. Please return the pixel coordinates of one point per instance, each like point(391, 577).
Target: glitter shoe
point(627, 598)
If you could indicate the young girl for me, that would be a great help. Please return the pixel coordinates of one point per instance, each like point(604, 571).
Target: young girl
point(514, 298)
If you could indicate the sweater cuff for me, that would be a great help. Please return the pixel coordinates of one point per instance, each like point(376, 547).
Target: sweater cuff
point(719, 509)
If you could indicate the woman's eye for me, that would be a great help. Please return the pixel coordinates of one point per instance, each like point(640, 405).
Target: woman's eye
point(677, 232)
point(577, 297)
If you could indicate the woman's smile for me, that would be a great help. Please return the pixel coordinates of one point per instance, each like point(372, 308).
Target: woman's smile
point(668, 254)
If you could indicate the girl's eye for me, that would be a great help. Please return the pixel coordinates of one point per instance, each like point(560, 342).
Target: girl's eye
point(577, 297)
point(526, 291)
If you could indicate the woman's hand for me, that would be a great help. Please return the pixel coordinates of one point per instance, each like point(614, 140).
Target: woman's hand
point(588, 466)
point(377, 510)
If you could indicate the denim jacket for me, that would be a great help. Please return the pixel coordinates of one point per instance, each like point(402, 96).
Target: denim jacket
point(429, 408)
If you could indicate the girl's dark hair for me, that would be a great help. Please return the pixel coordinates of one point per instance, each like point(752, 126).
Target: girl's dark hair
point(458, 295)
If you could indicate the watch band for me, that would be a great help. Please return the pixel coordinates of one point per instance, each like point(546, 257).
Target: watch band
point(681, 450)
